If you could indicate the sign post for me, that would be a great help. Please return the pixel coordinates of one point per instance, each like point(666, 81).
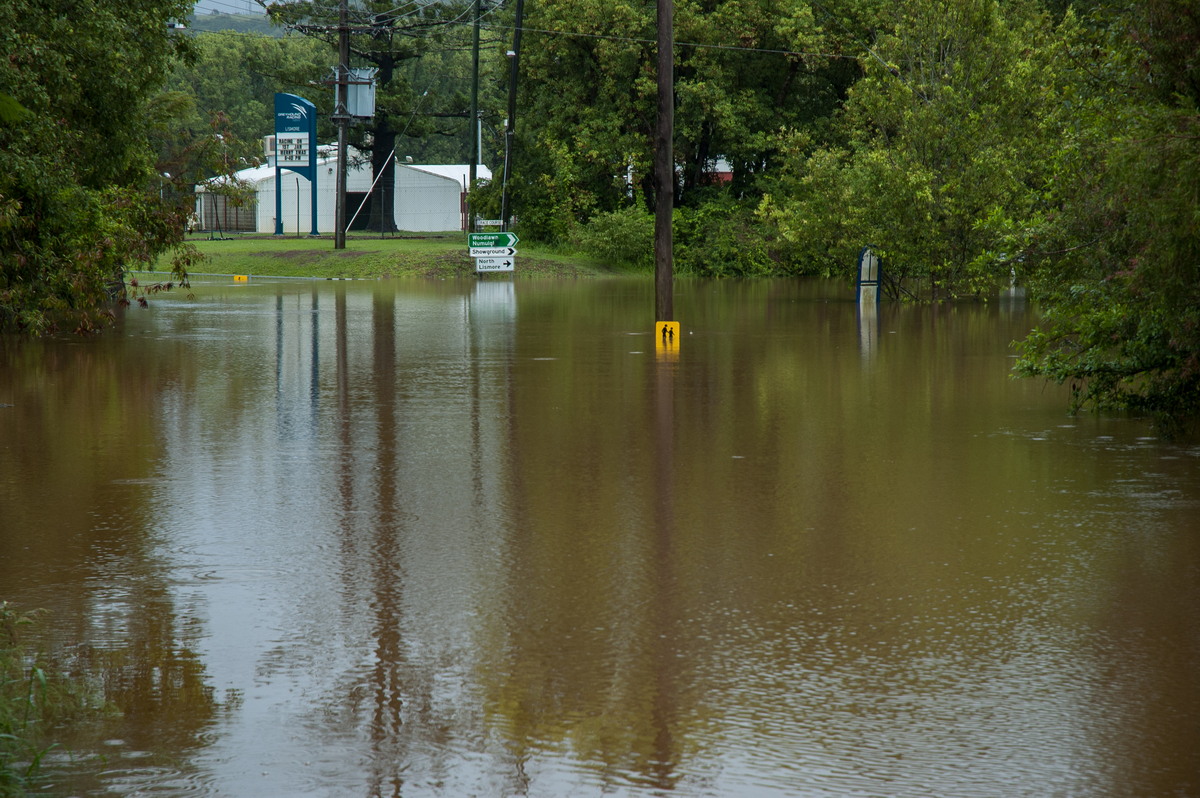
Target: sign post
point(295, 149)
point(493, 252)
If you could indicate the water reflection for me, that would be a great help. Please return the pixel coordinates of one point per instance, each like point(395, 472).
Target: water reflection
point(441, 538)
point(78, 447)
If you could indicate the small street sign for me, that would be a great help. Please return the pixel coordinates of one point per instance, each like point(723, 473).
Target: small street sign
point(491, 240)
point(492, 252)
point(489, 222)
point(505, 264)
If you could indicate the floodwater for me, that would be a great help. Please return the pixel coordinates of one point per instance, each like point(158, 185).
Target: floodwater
point(484, 538)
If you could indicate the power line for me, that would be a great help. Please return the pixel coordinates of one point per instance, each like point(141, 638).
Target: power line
point(397, 12)
point(697, 45)
point(241, 8)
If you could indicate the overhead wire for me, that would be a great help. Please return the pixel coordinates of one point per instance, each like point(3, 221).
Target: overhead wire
point(415, 8)
point(697, 45)
point(238, 9)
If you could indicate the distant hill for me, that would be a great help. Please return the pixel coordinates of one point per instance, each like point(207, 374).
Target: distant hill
point(239, 23)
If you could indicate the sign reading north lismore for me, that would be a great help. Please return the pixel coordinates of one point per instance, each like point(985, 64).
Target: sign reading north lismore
point(495, 264)
point(295, 149)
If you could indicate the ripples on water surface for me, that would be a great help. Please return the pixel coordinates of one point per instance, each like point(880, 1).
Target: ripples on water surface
point(478, 539)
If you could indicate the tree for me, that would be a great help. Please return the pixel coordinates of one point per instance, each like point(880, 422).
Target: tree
point(1118, 268)
point(80, 198)
point(386, 35)
point(745, 69)
point(234, 77)
point(946, 146)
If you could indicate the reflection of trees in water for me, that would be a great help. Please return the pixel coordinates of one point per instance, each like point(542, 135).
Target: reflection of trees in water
point(156, 680)
point(81, 438)
point(387, 683)
point(391, 699)
point(590, 651)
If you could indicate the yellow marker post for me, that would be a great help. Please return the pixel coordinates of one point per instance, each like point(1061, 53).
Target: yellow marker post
point(666, 338)
point(241, 278)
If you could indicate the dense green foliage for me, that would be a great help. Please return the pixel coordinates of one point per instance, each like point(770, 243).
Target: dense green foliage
point(942, 142)
point(976, 144)
point(80, 196)
point(234, 77)
point(1117, 259)
point(745, 70)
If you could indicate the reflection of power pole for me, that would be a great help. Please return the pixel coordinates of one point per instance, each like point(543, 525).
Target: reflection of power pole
point(341, 116)
point(511, 125)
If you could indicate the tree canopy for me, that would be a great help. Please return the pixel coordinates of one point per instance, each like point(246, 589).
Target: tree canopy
point(80, 197)
point(1116, 257)
point(392, 38)
point(976, 144)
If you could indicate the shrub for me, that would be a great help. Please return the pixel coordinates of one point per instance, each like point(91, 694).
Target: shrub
point(624, 237)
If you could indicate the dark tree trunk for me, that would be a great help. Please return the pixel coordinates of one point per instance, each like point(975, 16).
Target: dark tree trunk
point(383, 159)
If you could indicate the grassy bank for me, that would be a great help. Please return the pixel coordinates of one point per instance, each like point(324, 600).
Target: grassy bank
point(429, 255)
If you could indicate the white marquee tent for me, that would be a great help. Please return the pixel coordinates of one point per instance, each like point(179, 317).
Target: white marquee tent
point(428, 198)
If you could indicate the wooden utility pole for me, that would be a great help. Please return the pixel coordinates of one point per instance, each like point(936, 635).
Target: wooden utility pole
point(341, 115)
point(473, 124)
point(664, 166)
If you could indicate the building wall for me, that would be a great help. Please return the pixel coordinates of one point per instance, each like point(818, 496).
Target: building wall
point(297, 200)
point(216, 212)
point(427, 202)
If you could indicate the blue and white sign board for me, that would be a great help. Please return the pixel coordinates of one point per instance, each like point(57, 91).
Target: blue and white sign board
point(295, 149)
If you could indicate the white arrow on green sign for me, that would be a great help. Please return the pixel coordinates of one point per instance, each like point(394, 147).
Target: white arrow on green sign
point(491, 252)
point(491, 240)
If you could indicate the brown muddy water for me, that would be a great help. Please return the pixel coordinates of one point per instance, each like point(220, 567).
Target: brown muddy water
point(483, 539)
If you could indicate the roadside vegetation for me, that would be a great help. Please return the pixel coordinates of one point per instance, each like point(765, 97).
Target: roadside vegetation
point(371, 257)
point(976, 144)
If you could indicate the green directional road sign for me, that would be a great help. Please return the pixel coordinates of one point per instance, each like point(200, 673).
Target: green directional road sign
point(491, 240)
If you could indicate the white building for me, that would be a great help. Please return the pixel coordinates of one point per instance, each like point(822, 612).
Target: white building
point(428, 198)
